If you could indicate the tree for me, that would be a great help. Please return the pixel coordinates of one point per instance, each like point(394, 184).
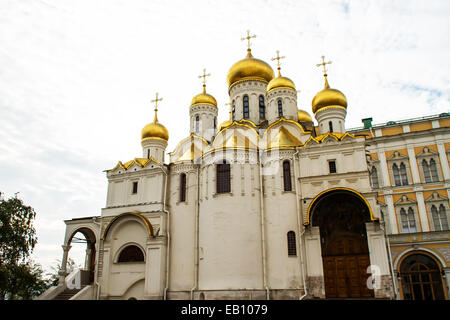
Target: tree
point(20, 278)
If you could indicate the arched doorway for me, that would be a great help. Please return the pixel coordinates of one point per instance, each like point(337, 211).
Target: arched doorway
point(341, 216)
point(421, 279)
point(88, 238)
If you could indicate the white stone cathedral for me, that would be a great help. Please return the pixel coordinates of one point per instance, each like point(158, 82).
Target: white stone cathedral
point(266, 205)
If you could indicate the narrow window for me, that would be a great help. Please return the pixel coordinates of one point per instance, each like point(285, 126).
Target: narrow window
point(246, 108)
point(287, 176)
point(433, 170)
point(292, 248)
point(374, 178)
point(223, 177)
point(443, 217)
point(148, 153)
point(403, 174)
point(396, 175)
point(262, 108)
point(233, 112)
point(135, 187)
point(197, 123)
point(280, 108)
point(131, 254)
point(404, 218)
point(330, 125)
point(426, 171)
point(215, 123)
point(411, 220)
point(183, 187)
point(332, 165)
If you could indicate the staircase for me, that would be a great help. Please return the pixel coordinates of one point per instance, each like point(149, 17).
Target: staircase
point(68, 293)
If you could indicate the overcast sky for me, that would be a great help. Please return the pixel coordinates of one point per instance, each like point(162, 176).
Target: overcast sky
point(77, 77)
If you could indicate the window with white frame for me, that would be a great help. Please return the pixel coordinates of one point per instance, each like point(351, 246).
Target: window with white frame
point(428, 161)
point(408, 220)
point(374, 178)
point(440, 221)
point(399, 169)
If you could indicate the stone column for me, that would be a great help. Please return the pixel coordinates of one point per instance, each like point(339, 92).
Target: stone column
point(413, 164)
point(63, 270)
point(155, 271)
point(87, 260)
point(447, 279)
point(314, 265)
point(444, 161)
point(422, 212)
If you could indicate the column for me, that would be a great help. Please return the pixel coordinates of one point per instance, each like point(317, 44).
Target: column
point(444, 161)
point(155, 271)
point(384, 168)
point(447, 278)
point(422, 212)
point(314, 265)
point(413, 164)
point(63, 270)
point(391, 214)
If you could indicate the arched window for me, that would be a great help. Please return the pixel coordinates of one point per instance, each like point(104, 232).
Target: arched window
point(223, 177)
point(439, 218)
point(291, 244)
point(433, 170)
point(131, 253)
point(183, 187)
point(233, 111)
point(408, 220)
point(330, 126)
point(374, 178)
point(403, 174)
point(287, 175)
point(396, 175)
point(197, 124)
point(280, 108)
point(426, 171)
point(246, 107)
point(215, 123)
point(262, 108)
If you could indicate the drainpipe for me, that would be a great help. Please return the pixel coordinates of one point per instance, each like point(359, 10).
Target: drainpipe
point(197, 211)
point(261, 202)
point(97, 255)
point(167, 231)
point(301, 230)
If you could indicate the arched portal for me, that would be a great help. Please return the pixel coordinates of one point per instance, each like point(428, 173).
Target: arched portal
point(341, 216)
point(90, 240)
point(421, 277)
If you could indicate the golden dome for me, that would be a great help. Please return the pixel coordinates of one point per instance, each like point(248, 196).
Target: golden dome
point(249, 69)
point(328, 98)
point(155, 130)
point(204, 98)
point(304, 116)
point(280, 82)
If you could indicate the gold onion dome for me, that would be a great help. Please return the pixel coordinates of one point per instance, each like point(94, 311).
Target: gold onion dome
point(304, 116)
point(249, 69)
point(155, 130)
point(280, 83)
point(328, 97)
point(204, 98)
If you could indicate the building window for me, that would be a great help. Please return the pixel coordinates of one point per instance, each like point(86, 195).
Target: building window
point(135, 187)
point(148, 153)
point(197, 124)
point(215, 123)
point(233, 112)
point(292, 247)
point(396, 175)
point(408, 220)
point(403, 174)
point(131, 254)
point(262, 108)
point(223, 177)
point(374, 178)
point(400, 175)
point(430, 171)
point(332, 166)
point(439, 218)
point(280, 108)
point(287, 175)
point(426, 171)
point(183, 187)
point(246, 107)
point(330, 126)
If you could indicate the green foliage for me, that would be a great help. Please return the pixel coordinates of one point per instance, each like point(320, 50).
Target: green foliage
point(20, 278)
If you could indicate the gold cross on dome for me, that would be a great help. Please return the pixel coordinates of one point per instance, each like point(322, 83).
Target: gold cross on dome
point(248, 37)
point(278, 58)
point(156, 101)
point(323, 64)
point(204, 75)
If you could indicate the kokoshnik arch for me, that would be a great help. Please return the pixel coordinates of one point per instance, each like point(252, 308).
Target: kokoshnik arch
point(272, 204)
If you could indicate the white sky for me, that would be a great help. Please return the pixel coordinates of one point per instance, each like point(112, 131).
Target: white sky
point(77, 77)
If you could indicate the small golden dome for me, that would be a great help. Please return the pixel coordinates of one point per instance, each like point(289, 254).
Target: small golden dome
point(279, 83)
point(204, 98)
point(327, 98)
point(304, 116)
point(155, 130)
point(249, 69)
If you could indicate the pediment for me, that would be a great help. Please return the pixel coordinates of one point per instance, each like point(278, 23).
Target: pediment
point(436, 197)
point(404, 200)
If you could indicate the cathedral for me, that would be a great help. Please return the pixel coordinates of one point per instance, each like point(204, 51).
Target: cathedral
point(272, 204)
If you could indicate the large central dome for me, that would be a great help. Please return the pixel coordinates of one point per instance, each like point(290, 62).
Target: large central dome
point(249, 69)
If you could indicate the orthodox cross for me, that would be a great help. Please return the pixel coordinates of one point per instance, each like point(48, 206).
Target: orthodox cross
point(323, 65)
point(278, 58)
point(156, 107)
point(204, 75)
point(248, 37)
